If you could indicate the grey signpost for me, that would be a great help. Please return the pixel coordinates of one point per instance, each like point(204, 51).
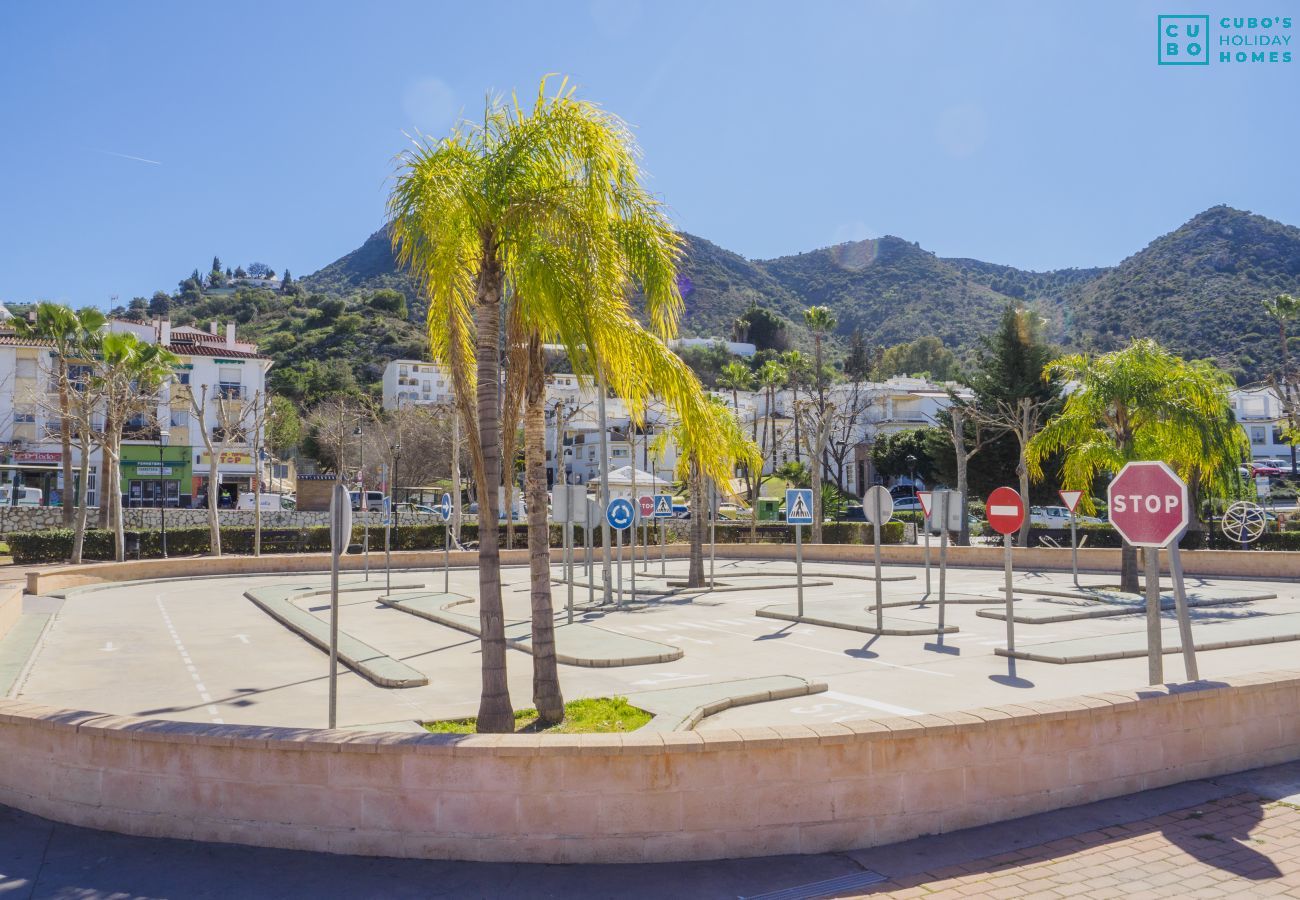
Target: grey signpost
point(798, 512)
point(340, 536)
point(444, 510)
point(620, 516)
point(943, 506)
point(1071, 501)
point(878, 506)
point(713, 528)
point(1005, 511)
point(388, 528)
point(663, 512)
point(927, 504)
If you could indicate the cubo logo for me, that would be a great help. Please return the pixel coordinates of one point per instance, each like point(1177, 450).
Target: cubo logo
point(1183, 40)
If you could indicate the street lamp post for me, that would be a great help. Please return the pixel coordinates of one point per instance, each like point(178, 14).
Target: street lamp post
point(163, 435)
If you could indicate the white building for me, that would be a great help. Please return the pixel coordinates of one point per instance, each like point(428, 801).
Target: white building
point(1259, 412)
point(162, 453)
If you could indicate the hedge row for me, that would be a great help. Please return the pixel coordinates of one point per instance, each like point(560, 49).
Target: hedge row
point(55, 545)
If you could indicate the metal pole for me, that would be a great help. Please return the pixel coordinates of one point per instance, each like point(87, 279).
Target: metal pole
point(943, 558)
point(568, 558)
point(663, 549)
point(1184, 618)
point(388, 527)
point(446, 558)
point(798, 564)
point(604, 482)
point(713, 528)
point(1074, 547)
point(587, 539)
point(162, 497)
point(1011, 619)
point(619, 537)
point(880, 596)
point(365, 505)
point(1155, 663)
point(632, 537)
point(334, 639)
point(925, 526)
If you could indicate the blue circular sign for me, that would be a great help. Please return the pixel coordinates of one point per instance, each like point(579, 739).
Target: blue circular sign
point(620, 514)
point(445, 510)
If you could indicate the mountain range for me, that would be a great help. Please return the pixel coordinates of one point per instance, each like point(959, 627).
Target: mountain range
point(1198, 290)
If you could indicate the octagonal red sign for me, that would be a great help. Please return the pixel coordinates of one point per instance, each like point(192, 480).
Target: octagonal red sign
point(1148, 504)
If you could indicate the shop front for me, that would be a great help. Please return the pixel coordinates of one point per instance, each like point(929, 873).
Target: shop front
point(236, 475)
point(151, 473)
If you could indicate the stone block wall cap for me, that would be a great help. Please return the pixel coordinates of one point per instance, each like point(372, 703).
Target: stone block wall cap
point(721, 739)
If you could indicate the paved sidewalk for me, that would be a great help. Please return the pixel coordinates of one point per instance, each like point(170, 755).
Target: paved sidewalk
point(1236, 836)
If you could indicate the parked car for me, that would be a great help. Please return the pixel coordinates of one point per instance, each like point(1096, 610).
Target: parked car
point(732, 512)
point(374, 500)
point(908, 504)
point(1261, 469)
point(24, 496)
point(417, 508)
point(521, 511)
point(1056, 517)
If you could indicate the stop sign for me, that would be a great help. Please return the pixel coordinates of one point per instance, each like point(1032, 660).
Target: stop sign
point(1005, 510)
point(647, 507)
point(1148, 504)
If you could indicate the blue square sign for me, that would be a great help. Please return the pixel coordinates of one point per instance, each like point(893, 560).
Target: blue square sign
point(799, 506)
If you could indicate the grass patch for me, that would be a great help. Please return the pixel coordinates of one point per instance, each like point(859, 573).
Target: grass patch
point(600, 715)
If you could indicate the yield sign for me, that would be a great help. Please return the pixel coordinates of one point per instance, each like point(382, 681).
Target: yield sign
point(1070, 499)
point(1148, 504)
point(1005, 510)
point(924, 497)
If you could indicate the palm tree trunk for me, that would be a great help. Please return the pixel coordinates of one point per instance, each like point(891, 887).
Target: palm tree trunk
point(546, 677)
point(1128, 569)
point(695, 574)
point(495, 714)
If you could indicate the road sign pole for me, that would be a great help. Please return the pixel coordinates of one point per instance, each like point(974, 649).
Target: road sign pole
point(943, 558)
point(880, 597)
point(1074, 547)
point(713, 528)
point(663, 549)
point(446, 557)
point(340, 536)
point(587, 539)
point(925, 526)
point(632, 537)
point(798, 565)
point(1155, 663)
point(619, 539)
point(568, 562)
point(1184, 618)
point(1011, 619)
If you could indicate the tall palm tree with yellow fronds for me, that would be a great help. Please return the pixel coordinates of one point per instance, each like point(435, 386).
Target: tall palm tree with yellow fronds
point(537, 212)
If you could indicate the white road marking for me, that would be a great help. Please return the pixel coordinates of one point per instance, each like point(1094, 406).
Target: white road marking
point(872, 704)
point(190, 667)
point(878, 662)
point(108, 647)
point(243, 638)
point(666, 677)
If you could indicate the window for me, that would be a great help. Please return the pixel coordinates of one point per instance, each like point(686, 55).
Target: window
point(26, 368)
point(280, 470)
point(24, 414)
point(183, 378)
point(1257, 434)
point(180, 418)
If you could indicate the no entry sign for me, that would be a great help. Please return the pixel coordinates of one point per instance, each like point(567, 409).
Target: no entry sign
point(1005, 510)
point(1148, 504)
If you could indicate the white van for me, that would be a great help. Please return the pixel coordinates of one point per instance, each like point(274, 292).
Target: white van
point(268, 502)
point(26, 496)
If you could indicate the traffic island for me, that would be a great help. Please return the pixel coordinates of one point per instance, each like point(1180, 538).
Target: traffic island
point(1062, 608)
point(1261, 629)
point(848, 615)
point(576, 644)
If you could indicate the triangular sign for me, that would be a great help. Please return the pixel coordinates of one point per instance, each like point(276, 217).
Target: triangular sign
point(800, 510)
point(1071, 499)
point(924, 497)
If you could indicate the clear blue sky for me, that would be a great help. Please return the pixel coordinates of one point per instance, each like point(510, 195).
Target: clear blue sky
point(1035, 134)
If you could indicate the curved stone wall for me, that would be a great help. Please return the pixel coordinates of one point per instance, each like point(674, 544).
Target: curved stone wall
point(629, 798)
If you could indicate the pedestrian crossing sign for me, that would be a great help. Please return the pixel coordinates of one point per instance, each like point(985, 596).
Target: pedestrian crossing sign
point(798, 506)
point(663, 506)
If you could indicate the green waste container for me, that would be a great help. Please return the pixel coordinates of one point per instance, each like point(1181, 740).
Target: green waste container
point(769, 509)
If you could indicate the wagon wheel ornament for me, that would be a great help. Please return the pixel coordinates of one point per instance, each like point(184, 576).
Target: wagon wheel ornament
point(1244, 522)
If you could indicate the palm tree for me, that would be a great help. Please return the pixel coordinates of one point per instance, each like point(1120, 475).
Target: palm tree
point(708, 451)
point(540, 211)
point(796, 366)
point(1141, 402)
point(820, 322)
point(66, 332)
point(130, 373)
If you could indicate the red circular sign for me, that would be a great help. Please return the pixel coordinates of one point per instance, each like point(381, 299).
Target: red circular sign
point(1148, 504)
point(647, 505)
point(1005, 510)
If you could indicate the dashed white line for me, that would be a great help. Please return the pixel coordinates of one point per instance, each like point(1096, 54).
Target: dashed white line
point(871, 704)
point(189, 665)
